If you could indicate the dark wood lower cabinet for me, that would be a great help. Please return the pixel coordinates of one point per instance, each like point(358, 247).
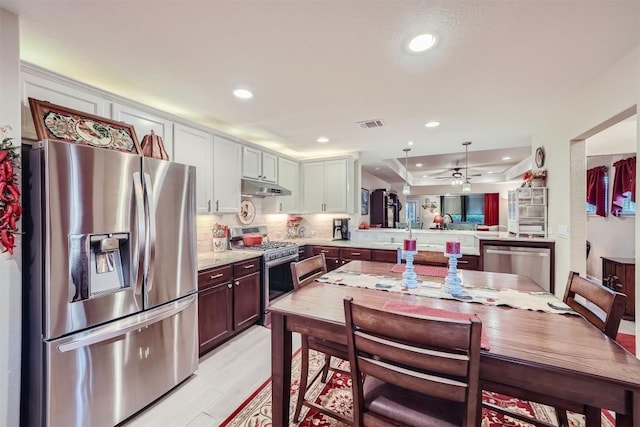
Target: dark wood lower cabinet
point(331, 255)
point(619, 274)
point(350, 254)
point(228, 301)
point(214, 316)
point(246, 301)
point(304, 252)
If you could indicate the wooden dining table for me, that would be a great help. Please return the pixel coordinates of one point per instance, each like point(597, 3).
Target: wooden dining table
point(558, 355)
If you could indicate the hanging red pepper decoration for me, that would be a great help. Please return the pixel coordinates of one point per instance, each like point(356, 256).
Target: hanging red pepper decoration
point(10, 209)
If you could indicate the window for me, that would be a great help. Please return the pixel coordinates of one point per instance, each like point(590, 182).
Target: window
point(628, 207)
point(592, 208)
point(624, 187)
point(468, 208)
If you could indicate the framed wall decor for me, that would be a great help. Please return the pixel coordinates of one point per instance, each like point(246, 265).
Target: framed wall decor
point(539, 157)
point(55, 122)
point(364, 201)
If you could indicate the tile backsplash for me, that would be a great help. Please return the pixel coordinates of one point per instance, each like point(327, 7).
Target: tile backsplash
point(315, 225)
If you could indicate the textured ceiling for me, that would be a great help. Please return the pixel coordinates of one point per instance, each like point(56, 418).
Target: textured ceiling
point(500, 69)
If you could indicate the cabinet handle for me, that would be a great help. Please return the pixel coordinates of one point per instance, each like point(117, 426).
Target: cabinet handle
point(324, 252)
point(237, 282)
point(229, 286)
point(209, 206)
point(217, 205)
point(246, 267)
point(358, 254)
point(280, 207)
point(215, 276)
point(461, 261)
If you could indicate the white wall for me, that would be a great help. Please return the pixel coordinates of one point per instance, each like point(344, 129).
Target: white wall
point(609, 236)
point(10, 266)
point(612, 93)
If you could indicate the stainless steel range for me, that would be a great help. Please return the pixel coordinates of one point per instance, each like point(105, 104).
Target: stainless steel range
point(276, 258)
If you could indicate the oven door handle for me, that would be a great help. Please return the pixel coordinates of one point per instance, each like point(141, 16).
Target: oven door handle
point(282, 260)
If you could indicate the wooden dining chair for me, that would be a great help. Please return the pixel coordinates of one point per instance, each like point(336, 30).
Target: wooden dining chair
point(413, 370)
point(303, 273)
point(610, 304)
point(603, 308)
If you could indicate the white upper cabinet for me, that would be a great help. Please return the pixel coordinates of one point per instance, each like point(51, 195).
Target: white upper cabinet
point(195, 147)
point(328, 186)
point(259, 165)
point(144, 122)
point(227, 156)
point(288, 177)
point(66, 95)
point(269, 167)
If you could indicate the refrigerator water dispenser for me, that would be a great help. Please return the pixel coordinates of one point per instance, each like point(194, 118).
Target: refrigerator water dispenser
point(99, 264)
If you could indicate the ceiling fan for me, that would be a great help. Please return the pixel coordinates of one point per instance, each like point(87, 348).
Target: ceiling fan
point(456, 173)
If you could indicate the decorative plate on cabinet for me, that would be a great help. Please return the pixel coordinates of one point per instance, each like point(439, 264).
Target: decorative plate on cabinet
point(539, 157)
point(60, 123)
point(247, 212)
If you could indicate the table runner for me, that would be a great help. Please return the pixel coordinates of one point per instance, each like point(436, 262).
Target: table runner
point(423, 310)
point(536, 301)
point(422, 270)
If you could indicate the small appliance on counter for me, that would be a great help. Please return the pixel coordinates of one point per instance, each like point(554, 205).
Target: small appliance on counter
point(341, 229)
point(294, 230)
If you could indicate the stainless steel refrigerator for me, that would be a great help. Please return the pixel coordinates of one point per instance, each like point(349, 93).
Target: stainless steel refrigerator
point(110, 297)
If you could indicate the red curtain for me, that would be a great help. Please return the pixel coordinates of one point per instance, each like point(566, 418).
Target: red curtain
point(596, 190)
point(624, 181)
point(491, 209)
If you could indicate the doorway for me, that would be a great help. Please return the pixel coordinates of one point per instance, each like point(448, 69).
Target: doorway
point(603, 235)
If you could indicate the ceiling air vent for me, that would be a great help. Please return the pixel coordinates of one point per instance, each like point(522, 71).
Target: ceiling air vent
point(368, 124)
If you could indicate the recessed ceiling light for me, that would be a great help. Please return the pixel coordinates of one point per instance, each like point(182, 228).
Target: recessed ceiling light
point(410, 143)
point(425, 176)
point(422, 42)
point(432, 124)
point(323, 140)
point(418, 165)
point(490, 172)
point(506, 158)
point(243, 93)
point(377, 169)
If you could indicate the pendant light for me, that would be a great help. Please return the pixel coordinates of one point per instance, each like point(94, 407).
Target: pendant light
point(466, 185)
point(406, 188)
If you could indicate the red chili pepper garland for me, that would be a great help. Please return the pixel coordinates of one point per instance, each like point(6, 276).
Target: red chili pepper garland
point(10, 209)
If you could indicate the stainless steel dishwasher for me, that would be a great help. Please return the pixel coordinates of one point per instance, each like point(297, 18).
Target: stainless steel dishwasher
point(534, 263)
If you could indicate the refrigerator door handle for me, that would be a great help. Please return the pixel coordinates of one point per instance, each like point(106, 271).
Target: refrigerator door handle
point(110, 331)
point(151, 205)
point(138, 252)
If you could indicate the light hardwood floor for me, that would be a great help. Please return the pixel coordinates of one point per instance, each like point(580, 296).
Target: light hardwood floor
point(226, 377)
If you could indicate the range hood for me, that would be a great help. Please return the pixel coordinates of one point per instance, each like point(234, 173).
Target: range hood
point(262, 189)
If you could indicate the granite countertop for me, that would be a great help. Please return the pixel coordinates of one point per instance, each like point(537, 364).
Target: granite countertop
point(377, 245)
point(216, 259)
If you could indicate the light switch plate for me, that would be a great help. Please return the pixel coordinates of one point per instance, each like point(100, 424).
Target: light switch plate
point(563, 231)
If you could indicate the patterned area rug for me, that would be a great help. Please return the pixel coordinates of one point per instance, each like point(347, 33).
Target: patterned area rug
point(627, 341)
point(336, 395)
